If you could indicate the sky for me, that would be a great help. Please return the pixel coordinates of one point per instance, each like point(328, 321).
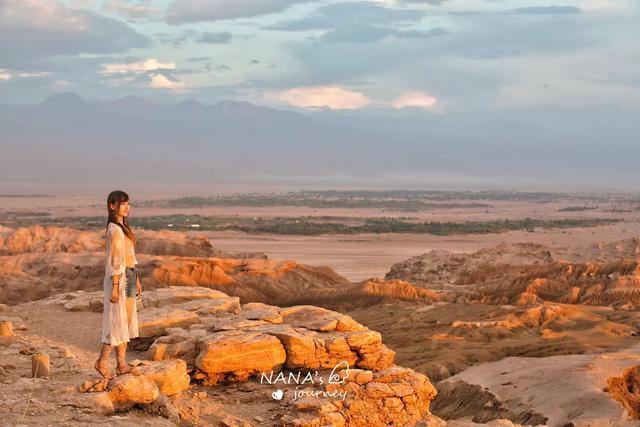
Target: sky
point(443, 56)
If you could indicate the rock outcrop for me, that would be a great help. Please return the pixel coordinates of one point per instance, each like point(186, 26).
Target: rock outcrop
point(439, 267)
point(526, 274)
point(203, 342)
point(392, 396)
point(228, 342)
point(34, 276)
point(626, 390)
point(366, 294)
point(615, 283)
point(148, 383)
point(51, 239)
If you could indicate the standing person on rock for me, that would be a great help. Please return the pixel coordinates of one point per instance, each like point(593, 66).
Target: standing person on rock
point(121, 286)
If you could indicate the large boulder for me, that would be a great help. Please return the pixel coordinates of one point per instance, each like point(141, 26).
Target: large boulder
point(311, 349)
point(238, 354)
point(146, 382)
point(128, 389)
point(312, 337)
point(169, 375)
point(318, 319)
point(392, 396)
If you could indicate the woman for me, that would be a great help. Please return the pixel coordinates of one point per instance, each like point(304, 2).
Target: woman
point(121, 285)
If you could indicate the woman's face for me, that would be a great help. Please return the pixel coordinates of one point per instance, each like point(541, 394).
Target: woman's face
point(123, 210)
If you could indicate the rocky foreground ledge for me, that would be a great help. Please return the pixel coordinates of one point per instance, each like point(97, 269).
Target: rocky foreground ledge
point(290, 366)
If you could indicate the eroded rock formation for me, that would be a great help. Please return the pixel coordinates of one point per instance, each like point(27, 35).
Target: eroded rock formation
point(217, 341)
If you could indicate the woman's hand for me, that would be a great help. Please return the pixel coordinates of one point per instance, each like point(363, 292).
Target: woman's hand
point(138, 286)
point(115, 294)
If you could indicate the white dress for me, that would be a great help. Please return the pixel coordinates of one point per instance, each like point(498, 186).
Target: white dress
point(115, 328)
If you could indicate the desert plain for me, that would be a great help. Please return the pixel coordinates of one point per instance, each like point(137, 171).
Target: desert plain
point(517, 308)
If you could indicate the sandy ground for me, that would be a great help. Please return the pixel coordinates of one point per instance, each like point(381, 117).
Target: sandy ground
point(54, 400)
point(564, 388)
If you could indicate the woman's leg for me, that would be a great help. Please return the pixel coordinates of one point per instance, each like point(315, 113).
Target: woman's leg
point(130, 302)
point(102, 364)
point(130, 292)
point(123, 367)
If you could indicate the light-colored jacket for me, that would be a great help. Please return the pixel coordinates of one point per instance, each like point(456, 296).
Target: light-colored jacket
point(115, 327)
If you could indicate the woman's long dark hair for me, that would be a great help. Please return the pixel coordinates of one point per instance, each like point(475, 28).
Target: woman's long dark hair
point(117, 197)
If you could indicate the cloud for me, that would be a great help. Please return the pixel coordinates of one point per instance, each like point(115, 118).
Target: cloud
point(415, 99)
point(332, 97)
point(431, 2)
point(151, 64)
point(177, 39)
point(359, 22)
point(546, 10)
point(338, 15)
point(199, 59)
point(466, 67)
point(159, 81)
point(215, 38)
point(32, 29)
point(131, 9)
point(6, 74)
point(499, 36)
point(63, 83)
point(419, 34)
point(182, 11)
point(371, 33)
point(356, 34)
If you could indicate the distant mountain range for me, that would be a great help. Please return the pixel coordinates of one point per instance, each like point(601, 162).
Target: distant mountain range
point(68, 138)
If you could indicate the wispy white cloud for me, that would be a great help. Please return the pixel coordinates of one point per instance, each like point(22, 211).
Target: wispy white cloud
point(159, 81)
point(333, 97)
point(63, 83)
point(6, 74)
point(151, 64)
point(415, 99)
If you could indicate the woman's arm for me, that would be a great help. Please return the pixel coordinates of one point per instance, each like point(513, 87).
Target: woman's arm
point(115, 261)
point(138, 285)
